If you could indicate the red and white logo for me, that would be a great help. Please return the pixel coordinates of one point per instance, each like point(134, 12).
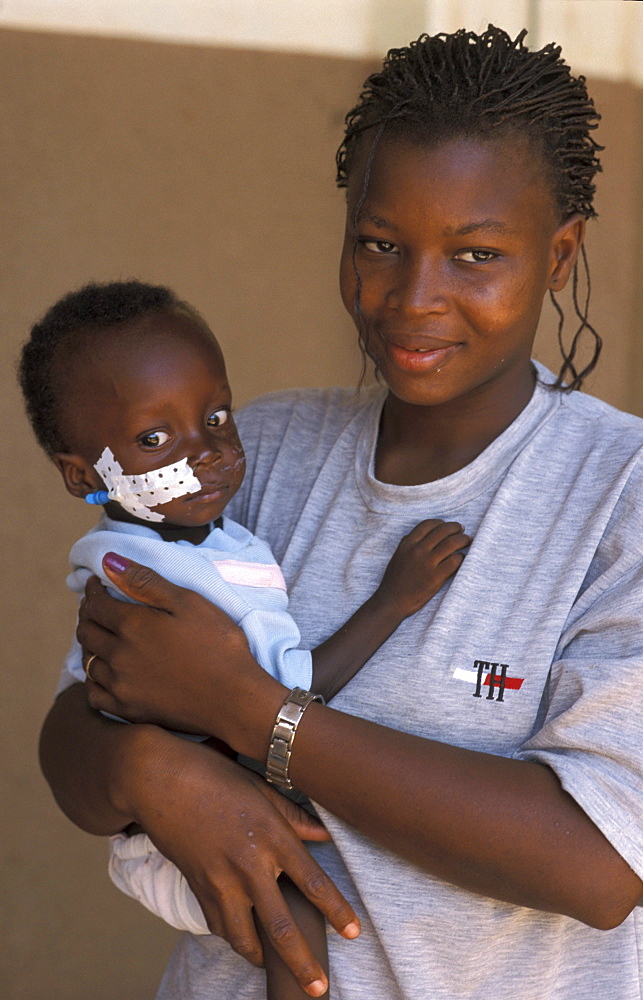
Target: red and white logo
point(491, 680)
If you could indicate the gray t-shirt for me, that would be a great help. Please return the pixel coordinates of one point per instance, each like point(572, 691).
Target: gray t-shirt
point(533, 650)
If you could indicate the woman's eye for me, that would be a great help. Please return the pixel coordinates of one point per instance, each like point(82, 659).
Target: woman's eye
point(476, 256)
point(218, 418)
point(379, 246)
point(154, 439)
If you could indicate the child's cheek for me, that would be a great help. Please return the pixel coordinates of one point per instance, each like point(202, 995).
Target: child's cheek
point(237, 463)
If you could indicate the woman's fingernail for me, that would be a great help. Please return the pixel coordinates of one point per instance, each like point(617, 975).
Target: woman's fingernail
point(351, 930)
point(318, 988)
point(115, 562)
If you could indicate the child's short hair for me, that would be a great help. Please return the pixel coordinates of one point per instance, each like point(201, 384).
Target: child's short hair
point(444, 87)
point(54, 339)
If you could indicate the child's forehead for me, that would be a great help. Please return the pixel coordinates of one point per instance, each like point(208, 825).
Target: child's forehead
point(153, 342)
point(139, 365)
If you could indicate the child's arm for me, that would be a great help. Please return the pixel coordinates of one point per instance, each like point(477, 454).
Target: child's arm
point(280, 982)
point(423, 561)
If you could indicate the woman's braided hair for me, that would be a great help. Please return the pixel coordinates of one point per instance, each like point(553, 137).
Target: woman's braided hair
point(444, 87)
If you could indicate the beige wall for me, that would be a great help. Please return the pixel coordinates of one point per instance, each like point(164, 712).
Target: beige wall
point(210, 170)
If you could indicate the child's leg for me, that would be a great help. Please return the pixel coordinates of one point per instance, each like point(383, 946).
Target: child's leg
point(280, 982)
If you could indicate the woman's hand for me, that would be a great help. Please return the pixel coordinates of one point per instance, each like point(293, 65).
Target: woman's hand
point(226, 829)
point(174, 659)
point(232, 835)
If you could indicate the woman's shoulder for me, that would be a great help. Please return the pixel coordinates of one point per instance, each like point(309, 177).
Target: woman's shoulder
point(584, 416)
point(596, 410)
point(603, 447)
point(602, 426)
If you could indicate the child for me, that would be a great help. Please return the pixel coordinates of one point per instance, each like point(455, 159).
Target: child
point(127, 392)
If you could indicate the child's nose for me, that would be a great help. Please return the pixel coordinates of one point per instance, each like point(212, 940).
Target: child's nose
point(205, 453)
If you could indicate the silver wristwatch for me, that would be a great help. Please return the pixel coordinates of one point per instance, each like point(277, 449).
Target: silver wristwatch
point(283, 735)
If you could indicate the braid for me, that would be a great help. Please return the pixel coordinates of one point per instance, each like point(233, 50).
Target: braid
point(569, 377)
point(444, 87)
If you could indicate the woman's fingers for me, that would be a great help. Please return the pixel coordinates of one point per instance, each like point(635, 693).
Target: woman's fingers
point(141, 584)
point(228, 911)
point(99, 607)
point(288, 941)
point(305, 825)
point(315, 885)
point(231, 843)
point(168, 662)
point(231, 915)
point(96, 607)
point(301, 867)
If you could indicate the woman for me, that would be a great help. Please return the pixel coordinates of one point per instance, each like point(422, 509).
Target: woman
point(481, 776)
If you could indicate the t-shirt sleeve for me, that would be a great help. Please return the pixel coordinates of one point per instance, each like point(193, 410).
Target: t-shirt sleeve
point(592, 734)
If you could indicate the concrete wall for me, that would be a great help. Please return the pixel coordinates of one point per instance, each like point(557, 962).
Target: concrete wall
point(211, 170)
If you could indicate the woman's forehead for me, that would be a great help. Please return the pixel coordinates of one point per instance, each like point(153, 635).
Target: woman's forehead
point(466, 181)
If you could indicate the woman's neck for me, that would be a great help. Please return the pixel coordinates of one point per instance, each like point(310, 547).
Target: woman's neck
point(420, 444)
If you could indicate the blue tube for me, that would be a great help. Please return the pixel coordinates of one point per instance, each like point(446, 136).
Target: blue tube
point(99, 497)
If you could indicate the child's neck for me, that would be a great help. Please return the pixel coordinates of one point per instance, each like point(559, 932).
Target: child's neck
point(195, 534)
point(180, 533)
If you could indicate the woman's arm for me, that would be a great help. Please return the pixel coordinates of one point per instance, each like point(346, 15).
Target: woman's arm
point(499, 827)
point(81, 755)
point(228, 831)
point(496, 826)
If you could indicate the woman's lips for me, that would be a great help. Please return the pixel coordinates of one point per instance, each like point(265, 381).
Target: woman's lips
point(420, 359)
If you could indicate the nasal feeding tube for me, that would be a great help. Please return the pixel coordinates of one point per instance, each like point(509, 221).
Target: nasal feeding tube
point(136, 494)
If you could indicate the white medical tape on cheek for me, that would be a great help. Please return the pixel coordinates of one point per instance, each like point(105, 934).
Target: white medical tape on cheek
point(136, 494)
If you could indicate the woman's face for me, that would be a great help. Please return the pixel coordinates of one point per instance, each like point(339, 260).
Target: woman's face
point(455, 247)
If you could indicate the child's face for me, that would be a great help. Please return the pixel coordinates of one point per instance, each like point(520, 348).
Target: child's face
point(456, 248)
point(156, 392)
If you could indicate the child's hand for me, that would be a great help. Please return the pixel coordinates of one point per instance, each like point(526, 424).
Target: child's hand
point(423, 561)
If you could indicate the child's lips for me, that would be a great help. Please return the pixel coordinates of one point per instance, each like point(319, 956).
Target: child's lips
point(210, 491)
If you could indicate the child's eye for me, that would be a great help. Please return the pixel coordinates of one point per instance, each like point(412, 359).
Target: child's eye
point(218, 418)
point(476, 256)
point(154, 439)
point(378, 246)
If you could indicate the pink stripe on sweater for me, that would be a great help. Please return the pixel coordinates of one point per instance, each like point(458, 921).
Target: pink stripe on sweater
point(250, 574)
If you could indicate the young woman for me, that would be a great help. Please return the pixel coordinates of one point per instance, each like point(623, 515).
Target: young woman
point(481, 777)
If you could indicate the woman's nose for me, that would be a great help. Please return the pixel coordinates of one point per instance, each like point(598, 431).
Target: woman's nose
point(418, 288)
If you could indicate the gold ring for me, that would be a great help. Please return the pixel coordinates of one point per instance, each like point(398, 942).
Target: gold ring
point(88, 665)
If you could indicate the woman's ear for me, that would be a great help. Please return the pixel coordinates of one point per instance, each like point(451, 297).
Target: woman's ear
point(566, 245)
point(79, 476)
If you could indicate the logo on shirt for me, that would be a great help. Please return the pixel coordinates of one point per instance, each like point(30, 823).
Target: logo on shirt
point(491, 680)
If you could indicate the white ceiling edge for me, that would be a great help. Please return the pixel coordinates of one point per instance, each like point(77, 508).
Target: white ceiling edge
point(599, 37)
